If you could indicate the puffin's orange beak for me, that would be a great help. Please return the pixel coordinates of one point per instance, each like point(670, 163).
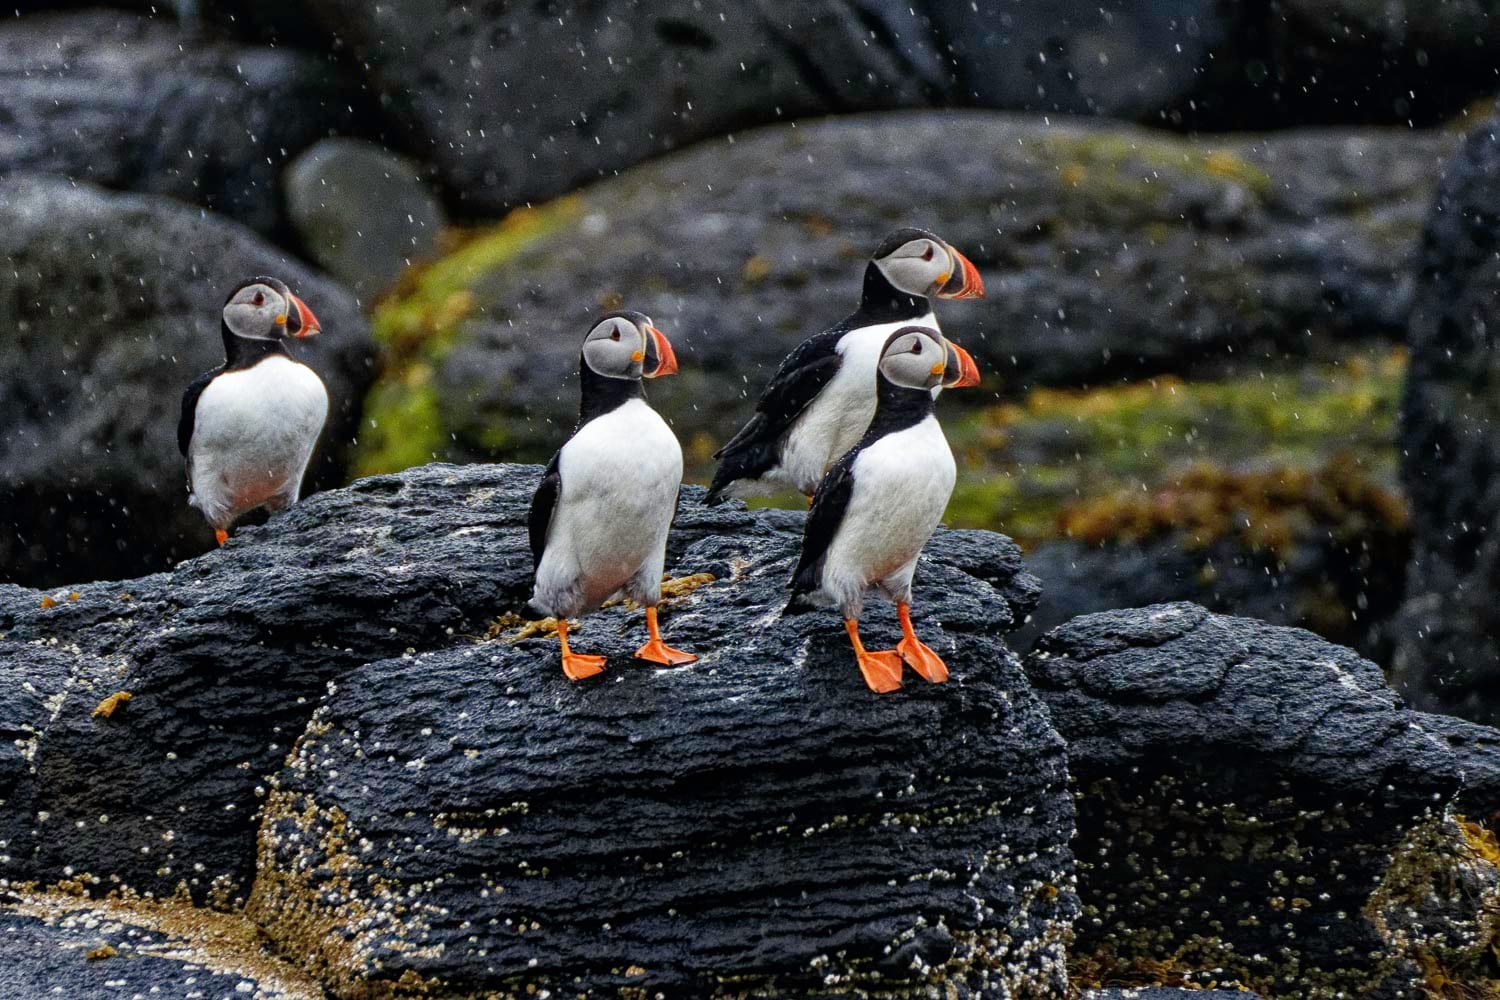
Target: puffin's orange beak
point(961, 368)
point(964, 282)
point(307, 322)
point(666, 358)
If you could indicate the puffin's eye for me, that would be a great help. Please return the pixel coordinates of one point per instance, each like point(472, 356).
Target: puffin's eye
point(916, 347)
point(927, 254)
point(614, 334)
point(260, 299)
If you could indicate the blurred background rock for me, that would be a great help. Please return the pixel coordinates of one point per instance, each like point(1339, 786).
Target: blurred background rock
point(1201, 227)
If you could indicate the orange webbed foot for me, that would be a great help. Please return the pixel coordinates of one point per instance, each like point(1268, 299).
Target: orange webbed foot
point(920, 657)
point(917, 654)
point(657, 651)
point(221, 536)
point(579, 666)
point(882, 670)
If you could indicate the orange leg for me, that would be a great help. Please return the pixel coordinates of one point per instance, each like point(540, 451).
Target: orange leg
point(577, 665)
point(657, 651)
point(221, 535)
point(917, 654)
point(882, 669)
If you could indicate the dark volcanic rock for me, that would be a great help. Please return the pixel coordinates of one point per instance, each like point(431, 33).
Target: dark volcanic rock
point(111, 306)
point(144, 105)
point(1254, 804)
point(1106, 252)
point(1478, 750)
point(1166, 993)
point(755, 821)
point(768, 756)
point(1448, 636)
point(515, 102)
point(362, 212)
point(56, 946)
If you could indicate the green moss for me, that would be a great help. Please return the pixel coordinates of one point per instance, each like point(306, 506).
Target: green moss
point(417, 324)
point(1025, 466)
point(1114, 172)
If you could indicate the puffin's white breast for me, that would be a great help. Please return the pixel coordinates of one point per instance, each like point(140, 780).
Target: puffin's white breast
point(902, 484)
point(620, 477)
point(253, 432)
point(839, 415)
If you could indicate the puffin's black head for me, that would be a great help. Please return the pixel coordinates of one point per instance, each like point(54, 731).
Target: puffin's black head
point(919, 263)
point(626, 344)
point(265, 309)
point(914, 357)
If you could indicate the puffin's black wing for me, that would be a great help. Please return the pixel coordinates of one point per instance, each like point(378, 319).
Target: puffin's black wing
point(797, 382)
point(543, 503)
point(828, 509)
point(190, 409)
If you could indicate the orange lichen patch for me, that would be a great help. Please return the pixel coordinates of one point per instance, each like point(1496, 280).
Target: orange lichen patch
point(110, 705)
point(1266, 509)
point(48, 602)
point(685, 585)
point(102, 952)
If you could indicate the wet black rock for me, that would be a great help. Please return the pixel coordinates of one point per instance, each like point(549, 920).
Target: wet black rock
point(518, 102)
point(361, 212)
point(111, 304)
point(145, 104)
point(1106, 252)
point(1478, 750)
point(767, 756)
point(1254, 804)
point(1448, 636)
point(57, 946)
point(756, 818)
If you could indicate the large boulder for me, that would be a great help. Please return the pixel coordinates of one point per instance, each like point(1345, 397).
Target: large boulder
point(143, 104)
point(1448, 636)
point(517, 102)
point(766, 767)
point(361, 212)
point(111, 306)
point(1106, 252)
point(1254, 804)
point(754, 822)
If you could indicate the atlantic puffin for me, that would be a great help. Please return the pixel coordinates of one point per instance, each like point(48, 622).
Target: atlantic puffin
point(248, 428)
point(599, 518)
point(878, 505)
point(823, 396)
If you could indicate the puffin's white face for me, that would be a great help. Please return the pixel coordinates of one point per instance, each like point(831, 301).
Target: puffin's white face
point(916, 358)
point(265, 309)
point(925, 265)
point(627, 345)
point(258, 312)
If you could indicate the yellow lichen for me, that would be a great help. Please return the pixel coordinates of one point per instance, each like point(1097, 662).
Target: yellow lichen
point(106, 708)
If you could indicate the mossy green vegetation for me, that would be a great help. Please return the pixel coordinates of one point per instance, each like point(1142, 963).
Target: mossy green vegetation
point(1127, 461)
point(416, 325)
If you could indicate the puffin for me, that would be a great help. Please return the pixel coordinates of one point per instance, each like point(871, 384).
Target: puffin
point(879, 504)
point(248, 427)
point(600, 516)
point(823, 395)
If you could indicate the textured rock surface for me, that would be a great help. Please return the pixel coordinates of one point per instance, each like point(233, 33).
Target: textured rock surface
point(1478, 750)
point(755, 821)
point(959, 791)
point(517, 102)
point(57, 946)
point(1166, 993)
point(144, 105)
point(1105, 252)
point(111, 306)
point(361, 212)
point(1448, 636)
point(1254, 804)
